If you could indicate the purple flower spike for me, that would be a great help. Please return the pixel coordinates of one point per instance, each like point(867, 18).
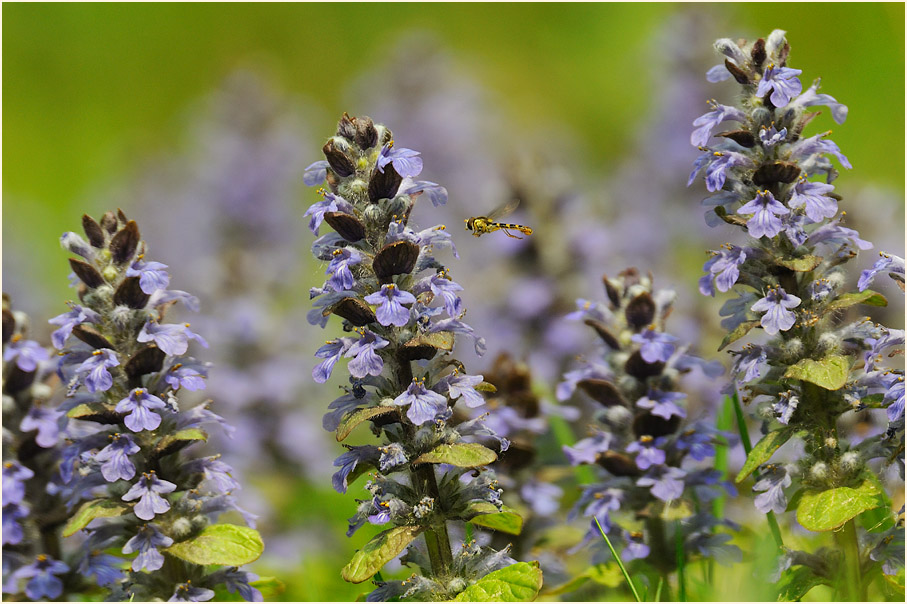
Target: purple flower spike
point(724, 268)
point(662, 403)
point(895, 399)
point(887, 263)
point(666, 482)
point(339, 269)
point(783, 83)
point(186, 592)
point(771, 486)
point(14, 477)
point(776, 305)
point(146, 542)
point(43, 420)
point(238, 581)
point(27, 354)
point(390, 301)
point(105, 568)
point(12, 530)
point(331, 352)
point(811, 197)
point(139, 405)
point(765, 210)
point(654, 345)
point(710, 121)
point(172, 338)
point(464, 386)
point(348, 462)
point(152, 275)
point(330, 203)
point(94, 368)
point(406, 162)
point(588, 449)
point(315, 173)
point(436, 193)
point(180, 376)
point(441, 286)
point(115, 460)
point(43, 583)
point(365, 360)
point(148, 491)
point(648, 454)
point(68, 320)
point(424, 405)
point(698, 442)
point(785, 406)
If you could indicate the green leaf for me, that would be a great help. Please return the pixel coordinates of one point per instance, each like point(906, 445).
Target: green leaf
point(608, 575)
point(880, 518)
point(383, 548)
point(518, 582)
point(99, 508)
point(801, 265)
point(763, 451)
point(352, 420)
point(829, 373)
point(797, 582)
point(270, 588)
point(827, 510)
point(739, 331)
point(462, 455)
point(179, 440)
point(226, 544)
point(868, 297)
point(505, 521)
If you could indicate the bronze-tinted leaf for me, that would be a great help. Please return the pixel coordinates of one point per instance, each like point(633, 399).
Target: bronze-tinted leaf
point(109, 222)
point(353, 310)
point(397, 258)
point(124, 243)
point(640, 369)
point(602, 392)
point(630, 277)
point(654, 426)
point(611, 291)
point(91, 336)
point(18, 380)
point(758, 54)
point(347, 226)
point(87, 273)
point(130, 294)
point(93, 231)
point(739, 74)
point(734, 219)
point(744, 138)
point(341, 164)
point(383, 185)
point(604, 333)
point(346, 126)
point(148, 360)
point(640, 311)
point(122, 216)
point(775, 172)
point(618, 464)
point(9, 325)
point(366, 134)
point(426, 346)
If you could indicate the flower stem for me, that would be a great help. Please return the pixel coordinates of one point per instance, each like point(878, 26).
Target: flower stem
point(436, 537)
point(747, 447)
point(850, 586)
point(620, 563)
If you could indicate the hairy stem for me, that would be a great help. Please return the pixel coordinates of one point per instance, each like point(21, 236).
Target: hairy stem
point(436, 538)
point(850, 587)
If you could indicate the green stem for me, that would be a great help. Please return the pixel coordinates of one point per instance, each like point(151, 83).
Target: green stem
point(681, 566)
point(620, 563)
point(747, 447)
point(850, 587)
point(661, 583)
point(436, 538)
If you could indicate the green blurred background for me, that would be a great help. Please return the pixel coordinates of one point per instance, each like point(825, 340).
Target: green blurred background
point(91, 90)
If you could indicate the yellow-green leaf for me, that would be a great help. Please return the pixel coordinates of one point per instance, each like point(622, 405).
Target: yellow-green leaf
point(270, 587)
point(226, 544)
point(383, 548)
point(827, 510)
point(99, 508)
point(797, 582)
point(486, 387)
point(763, 451)
point(739, 331)
point(352, 420)
point(801, 265)
point(867, 297)
point(518, 582)
point(829, 373)
point(462, 455)
point(505, 521)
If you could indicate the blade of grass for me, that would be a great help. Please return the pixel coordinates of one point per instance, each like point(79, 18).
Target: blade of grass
point(468, 531)
point(747, 447)
point(661, 583)
point(681, 559)
point(620, 563)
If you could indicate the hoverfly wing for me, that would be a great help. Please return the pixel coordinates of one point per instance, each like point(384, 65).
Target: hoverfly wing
point(503, 210)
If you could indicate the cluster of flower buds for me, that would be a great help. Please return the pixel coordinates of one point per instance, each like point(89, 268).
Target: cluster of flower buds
point(32, 512)
point(130, 480)
point(819, 367)
point(655, 458)
point(386, 284)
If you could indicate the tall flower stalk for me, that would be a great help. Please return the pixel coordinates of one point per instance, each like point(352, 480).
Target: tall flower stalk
point(818, 368)
point(132, 483)
point(389, 289)
point(657, 477)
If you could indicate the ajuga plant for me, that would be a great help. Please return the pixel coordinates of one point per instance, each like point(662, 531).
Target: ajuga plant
point(656, 479)
point(427, 472)
point(33, 513)
point(130, 479)
point(817, 367)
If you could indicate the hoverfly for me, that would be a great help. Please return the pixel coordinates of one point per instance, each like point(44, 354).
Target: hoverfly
point(479, 225)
